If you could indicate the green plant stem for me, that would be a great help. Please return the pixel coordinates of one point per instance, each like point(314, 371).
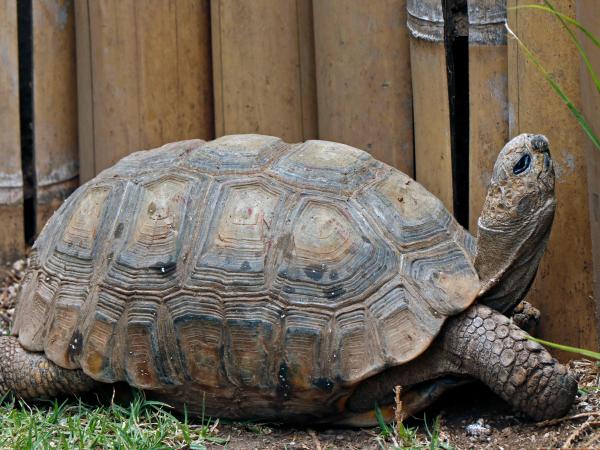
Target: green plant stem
point(567, 348)
point(558, 89)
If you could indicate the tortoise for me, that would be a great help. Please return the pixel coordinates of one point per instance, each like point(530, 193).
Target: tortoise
point(247, 278)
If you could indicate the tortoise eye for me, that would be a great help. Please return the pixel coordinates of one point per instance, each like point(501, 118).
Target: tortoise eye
point(523, 164)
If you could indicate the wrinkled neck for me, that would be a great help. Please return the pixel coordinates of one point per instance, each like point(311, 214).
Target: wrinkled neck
point(508, 256)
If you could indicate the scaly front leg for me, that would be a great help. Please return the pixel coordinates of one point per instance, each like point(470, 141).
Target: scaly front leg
point(519, 370)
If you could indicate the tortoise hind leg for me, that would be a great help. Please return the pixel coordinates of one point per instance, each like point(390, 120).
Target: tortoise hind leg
point(31, 375)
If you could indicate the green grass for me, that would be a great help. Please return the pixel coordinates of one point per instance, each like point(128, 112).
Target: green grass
point(143, 424)
point(398, 436)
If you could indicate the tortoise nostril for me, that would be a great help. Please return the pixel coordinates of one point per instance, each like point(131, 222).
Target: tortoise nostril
point(539, 143)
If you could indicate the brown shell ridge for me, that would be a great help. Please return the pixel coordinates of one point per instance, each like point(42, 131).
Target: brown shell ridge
point(128, 316)
point(68, 264)
point(336, 280)
point(240, 232)
point(38, 254)
point(255, 152)
point(66, 331)
point(371, 349)
point(49, 232)
point(325, 166)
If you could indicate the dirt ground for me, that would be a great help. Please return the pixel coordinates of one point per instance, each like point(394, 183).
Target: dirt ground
point(471, 417)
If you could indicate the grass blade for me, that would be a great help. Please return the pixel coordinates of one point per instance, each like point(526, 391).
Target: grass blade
point(558, 89)
point(385, 430)
point(566, 18)
point(567, 348)
point(580, 49)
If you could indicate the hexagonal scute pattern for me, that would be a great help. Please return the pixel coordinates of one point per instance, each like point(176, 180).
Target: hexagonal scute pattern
point(327, 166)
point(330, 256)
point(152, 228)
point(83, 232)
point(247, 271)
point(445, 274)
point(411, 216)
point(147, 161)
point(64, 261)
point(240, 153)
point(239, 235)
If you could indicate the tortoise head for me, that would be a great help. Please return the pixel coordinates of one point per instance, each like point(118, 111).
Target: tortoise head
point(515, 222)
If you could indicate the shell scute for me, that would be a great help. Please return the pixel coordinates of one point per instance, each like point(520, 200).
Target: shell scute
point(147, 361)
point(79, 237)
point(304, 343)
point(326, 166)
point(411, 216)
point(143, 162)
point(405, 324)
point(34, 314)
point(75, 250)
point(248, 362)
point(445, 275)
point(240, 153)
point(101, 355)
point(63, 343)
point(151, 232)
point(239, 235)
point(198, 325)
point(357, 344)
point(330, 257)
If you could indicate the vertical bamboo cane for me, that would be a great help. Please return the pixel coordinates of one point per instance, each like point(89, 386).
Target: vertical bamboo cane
point(54, 105)
point(433, 144)
point(363, 78)
point(588, 14)
point(563, 288)
point(263, 56)
point(488, 96)
point(144, 77)
point(12, 238)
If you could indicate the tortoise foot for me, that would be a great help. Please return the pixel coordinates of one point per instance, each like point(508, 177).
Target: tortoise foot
point(31, 375)
point(526, 317)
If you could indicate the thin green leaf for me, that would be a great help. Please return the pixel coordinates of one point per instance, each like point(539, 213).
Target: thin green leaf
point(558, 89)
point(580, 49)
point(567, 348)
point(566, 18)
point(385, 430)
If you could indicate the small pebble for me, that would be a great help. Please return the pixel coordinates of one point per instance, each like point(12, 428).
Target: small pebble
point(19, 265)
point(478, 429)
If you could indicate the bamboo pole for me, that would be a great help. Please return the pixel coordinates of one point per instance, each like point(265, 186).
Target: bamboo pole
point(588, 14)
point(563, 289)
point(488, 96)
point(433, 143)
point(54, 105)
point(12, 237)
point(363, 78)
point(264, 80)
point(144, 77)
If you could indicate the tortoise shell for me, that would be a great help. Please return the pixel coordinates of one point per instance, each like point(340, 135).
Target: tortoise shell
point(245, 268)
